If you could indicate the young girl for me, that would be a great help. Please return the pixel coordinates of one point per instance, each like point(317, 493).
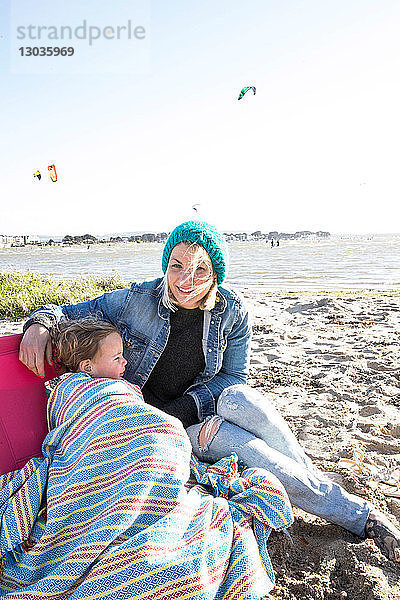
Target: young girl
point(90, 346)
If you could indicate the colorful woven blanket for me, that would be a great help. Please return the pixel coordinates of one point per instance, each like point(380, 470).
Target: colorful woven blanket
point(108, 512)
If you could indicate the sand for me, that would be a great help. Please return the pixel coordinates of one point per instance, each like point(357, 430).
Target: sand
point(331, 364)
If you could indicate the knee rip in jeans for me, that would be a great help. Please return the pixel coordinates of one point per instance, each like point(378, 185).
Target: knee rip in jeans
point(208, 431)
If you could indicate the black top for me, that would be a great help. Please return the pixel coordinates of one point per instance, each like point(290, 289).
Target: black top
point(178, 366)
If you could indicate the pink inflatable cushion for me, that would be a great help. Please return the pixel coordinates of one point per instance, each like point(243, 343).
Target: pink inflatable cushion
point(23, 423)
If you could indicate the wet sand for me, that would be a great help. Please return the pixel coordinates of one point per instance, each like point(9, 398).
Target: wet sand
point(331, 364)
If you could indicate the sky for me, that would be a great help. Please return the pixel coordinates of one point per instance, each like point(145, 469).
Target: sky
point(140, 130)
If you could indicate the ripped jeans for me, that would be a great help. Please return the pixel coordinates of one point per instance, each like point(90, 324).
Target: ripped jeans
point(254, 429)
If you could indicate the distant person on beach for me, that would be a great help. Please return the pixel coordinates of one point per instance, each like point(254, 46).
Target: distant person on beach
point(187, 341)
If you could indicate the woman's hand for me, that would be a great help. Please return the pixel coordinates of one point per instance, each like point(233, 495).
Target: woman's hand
point(34, 348)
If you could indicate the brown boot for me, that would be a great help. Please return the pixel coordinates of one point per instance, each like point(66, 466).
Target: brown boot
point(385, 535)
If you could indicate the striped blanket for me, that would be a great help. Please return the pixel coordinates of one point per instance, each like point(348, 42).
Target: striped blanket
point(118, 508)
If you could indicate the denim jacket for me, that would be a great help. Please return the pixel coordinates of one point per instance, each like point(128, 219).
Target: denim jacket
point(143, 320)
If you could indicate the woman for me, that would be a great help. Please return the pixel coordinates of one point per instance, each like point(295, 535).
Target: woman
point(186, 342)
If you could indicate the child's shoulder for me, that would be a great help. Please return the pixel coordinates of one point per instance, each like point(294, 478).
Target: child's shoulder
point(51, 384)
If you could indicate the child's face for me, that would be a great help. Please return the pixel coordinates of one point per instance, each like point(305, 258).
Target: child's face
point(109, 361)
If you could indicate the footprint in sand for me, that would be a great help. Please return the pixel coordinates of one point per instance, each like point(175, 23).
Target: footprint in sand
point(376, 366)
point(335, 357)
point(369, 410)
point(298, 307)
point(374, 444)
point(394, 507)
point(272, 357)
point(254, 361)
point(393, 430)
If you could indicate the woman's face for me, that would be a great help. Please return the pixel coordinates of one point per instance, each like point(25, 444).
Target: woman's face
point(190, 278)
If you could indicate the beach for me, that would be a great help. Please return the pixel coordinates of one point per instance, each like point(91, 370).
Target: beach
point(330, 362)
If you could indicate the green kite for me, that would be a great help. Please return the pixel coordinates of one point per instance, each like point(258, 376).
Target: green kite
point(245, 90)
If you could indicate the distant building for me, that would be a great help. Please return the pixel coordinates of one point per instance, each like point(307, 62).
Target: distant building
point(6, 241)
point(241, 237)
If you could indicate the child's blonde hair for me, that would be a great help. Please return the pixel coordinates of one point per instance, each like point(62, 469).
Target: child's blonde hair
point(77, 340)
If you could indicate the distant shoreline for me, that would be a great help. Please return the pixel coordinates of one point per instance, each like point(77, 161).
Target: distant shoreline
point(18, 241)
point(158, 237)
point(309, 264)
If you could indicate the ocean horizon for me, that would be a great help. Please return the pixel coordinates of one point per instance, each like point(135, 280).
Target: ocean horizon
point(339, 262)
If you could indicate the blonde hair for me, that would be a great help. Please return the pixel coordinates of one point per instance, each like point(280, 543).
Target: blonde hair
point(77, 340)
point(197, 255)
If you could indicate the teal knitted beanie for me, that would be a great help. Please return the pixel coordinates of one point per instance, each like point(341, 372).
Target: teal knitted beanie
point(205, 235)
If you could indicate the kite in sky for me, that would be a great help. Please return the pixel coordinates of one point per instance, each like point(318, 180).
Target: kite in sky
point(38, 175)
point(52, 172)
point(245, 90)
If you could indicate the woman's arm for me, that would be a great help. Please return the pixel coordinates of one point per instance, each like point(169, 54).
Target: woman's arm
point(234, 368)
point(35, 345)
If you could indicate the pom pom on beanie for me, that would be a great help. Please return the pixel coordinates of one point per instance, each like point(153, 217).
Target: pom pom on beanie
point(206, 236)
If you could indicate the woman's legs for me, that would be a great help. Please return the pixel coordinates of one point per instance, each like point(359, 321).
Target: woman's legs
point(250, 410)
point(246, 423)
point(307, 489)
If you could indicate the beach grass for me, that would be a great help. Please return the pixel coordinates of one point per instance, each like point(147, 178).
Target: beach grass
point(21, 292)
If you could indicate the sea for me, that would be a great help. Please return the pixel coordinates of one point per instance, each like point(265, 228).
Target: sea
point(339, 262)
